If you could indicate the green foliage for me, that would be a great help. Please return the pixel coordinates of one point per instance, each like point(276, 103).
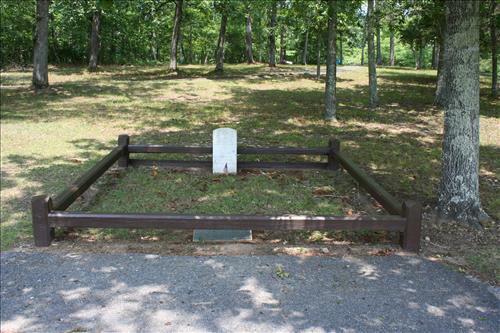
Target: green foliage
point(139, 32)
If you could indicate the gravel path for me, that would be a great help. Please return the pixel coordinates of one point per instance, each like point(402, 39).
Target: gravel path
point(49, 292)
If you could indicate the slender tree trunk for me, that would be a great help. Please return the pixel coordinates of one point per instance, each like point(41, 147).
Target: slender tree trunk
point(494, 56)
point(330, 86)
point(318, 60)
point(41, 48)
point(154, 46)
point(379, 49)
point(248, 40)
point(435, 54)
point(176, 32)
point(219, 61)
point(272, 37)
point(306, 42)
point(363, 55)
point(439, 97)
point(372, 67)
point(392, 56)
point(282, 46)
point(419, 57)
point(95, 41)
point(459, 191)
point(190, 44)
point(341, 50)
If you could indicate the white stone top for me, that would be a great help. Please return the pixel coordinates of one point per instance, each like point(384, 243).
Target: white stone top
point(224, 150)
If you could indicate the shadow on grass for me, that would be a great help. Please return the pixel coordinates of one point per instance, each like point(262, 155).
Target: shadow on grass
point(393, 143)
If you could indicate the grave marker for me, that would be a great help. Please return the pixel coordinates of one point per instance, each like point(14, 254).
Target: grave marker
point(224, 161)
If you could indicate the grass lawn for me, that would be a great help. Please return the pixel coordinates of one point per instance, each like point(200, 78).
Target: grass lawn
point(49, 138)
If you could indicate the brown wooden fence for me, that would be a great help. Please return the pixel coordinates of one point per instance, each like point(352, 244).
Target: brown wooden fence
point(405, 217)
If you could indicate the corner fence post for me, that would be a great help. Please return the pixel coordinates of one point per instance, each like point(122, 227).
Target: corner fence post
point(410, 240)
point(333, 163)
point(40, 208)
point(123, 140)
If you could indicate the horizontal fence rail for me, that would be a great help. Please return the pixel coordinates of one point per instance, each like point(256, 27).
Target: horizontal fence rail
point(202, 150)
point(240, 164)
point(255, 222)
point(48, 214)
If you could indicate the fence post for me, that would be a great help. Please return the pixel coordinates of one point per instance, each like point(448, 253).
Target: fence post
point(334, 145)
point(123, 140)
point(41, 205)
point(410, 240)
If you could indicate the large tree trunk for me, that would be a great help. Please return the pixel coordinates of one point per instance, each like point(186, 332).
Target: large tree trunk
point(95, 43)
point(248, 40)
point(219, 54)
point(494, 59)
point(372, 67)
point(330, 87)
point(272, 37)
point(392, 57)
point(282, 46)
point(41, 48)
point(176, 32)
point(306, 42)
point(459, 191)
point(318, 59)
point(439, 97)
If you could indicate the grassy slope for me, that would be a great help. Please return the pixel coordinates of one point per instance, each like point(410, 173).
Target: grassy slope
point(50, 137)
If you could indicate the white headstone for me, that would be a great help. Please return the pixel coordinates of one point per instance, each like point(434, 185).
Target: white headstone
point(224, 146)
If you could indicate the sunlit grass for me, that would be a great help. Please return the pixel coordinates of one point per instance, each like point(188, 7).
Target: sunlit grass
point(48, 138)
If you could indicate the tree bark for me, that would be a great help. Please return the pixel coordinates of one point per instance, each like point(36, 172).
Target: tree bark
point(372, 67)
point(379, 49)
point(392, 56)
point(439, 97)
point(435, 55)
point(95, 43)
point(494, 56)
point(363, 55)
point(330, 86)
point(341, 50)
point(306, 44)
point(419, 57)
point(41, 48)
point(176, 32)
point(459, 191)
point(219, 54)
point(318, 59)
point(282, 47)
point(272, 37)
point(248, 40)
point(377, 24)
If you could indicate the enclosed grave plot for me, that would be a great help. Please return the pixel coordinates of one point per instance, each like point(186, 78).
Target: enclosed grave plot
point(283, 214)
point(255, 192)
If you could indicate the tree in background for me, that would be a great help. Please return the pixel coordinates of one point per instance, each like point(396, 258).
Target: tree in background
point(459, 192)
point(222, 7)
point(494, 55)
point(248, 35)
point(330, 86)
point(272, 33)
point(41, 47)
point(378, 14)
point(176, 33)
point(95, 40)
point(372, 67)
